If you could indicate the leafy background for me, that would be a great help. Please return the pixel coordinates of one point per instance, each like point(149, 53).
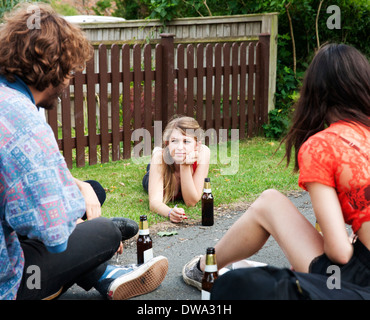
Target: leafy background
point(297, 22)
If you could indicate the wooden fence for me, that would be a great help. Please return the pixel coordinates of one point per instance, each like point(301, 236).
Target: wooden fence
point(195, 30)
point(223, 86)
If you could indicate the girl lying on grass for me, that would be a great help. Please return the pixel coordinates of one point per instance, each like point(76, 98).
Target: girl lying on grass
point(177, 170)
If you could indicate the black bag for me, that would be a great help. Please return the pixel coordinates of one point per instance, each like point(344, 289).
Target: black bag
point(258, 283)
point(270, 283)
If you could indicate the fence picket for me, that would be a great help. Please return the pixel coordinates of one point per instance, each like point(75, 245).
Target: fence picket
point(180, 96)
point(217, 94)
point(66, 130)
point(158, 82)
point(226, 87)
point(91, 112)
point(115, 102)
point(258, 90)
point(251, 77)
point(126, 111)
point(79, 119)
point(190, 80)
point(137, 86)
point(148, 106)
point(234, 85)
point(243, 74)
point(209, 87)
point(103, 103)
point(200, 75)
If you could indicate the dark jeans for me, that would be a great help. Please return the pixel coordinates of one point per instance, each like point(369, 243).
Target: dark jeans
point(90, 246)
point(145, 181)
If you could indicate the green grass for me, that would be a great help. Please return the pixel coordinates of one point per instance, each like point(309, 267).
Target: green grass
point(259, 169)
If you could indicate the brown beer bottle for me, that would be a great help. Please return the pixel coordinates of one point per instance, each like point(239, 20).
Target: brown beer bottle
point(207, 204)
point(210, 273)
point(144, 242)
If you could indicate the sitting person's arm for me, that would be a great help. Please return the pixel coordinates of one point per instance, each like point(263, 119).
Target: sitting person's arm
point(330, 217)
point(93, 207)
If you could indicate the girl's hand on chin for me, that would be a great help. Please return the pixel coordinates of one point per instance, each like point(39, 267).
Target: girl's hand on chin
point(191, 157)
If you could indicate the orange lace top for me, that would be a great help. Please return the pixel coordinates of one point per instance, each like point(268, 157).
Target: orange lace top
point(339, 157)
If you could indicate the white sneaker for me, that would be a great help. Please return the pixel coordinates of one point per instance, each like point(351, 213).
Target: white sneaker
point(124, 284)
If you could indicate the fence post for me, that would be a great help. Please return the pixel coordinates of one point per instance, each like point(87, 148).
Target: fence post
point(264, 39)
point(167, 77)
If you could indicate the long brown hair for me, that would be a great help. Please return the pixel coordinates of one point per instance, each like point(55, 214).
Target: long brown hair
point(187, 126)
point(44, 54)
point(336, 87)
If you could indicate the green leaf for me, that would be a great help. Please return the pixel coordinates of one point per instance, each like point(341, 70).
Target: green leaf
point(167, 233)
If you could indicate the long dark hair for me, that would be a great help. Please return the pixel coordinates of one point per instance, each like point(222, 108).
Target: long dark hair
point(336, 87)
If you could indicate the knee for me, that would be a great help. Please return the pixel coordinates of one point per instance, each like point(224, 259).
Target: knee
point(267, 202)
point(270, 195)
point(269, 198)
point(108, 231)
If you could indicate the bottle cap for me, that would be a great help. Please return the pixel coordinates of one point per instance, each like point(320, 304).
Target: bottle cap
point(207, 180)
point(211, 250)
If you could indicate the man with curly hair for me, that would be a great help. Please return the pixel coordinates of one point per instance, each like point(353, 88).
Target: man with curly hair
point(45, 247)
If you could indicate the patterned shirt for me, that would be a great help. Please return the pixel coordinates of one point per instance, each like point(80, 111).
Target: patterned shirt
point(38, 196)
point(339, 156)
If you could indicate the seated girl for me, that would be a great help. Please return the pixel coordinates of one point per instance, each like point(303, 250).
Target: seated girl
point(178, 169)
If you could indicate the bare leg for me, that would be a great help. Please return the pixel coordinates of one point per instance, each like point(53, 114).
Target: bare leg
point(271, 214)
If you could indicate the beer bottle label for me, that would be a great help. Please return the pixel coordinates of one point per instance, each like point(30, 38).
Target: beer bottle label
point(143, 232)
point(206, 295)
point(207, 187)
point(148, 254)
point(210, 268)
